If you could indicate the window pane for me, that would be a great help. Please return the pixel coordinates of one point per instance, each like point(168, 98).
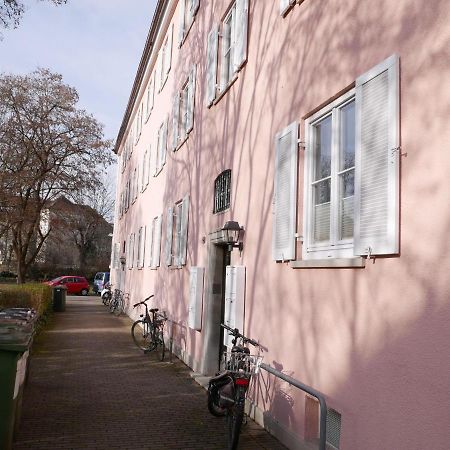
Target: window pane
point(322, 197)
point(322, 148)
point(348, 136)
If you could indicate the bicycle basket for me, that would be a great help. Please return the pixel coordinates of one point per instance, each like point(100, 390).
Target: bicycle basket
point(241, 363)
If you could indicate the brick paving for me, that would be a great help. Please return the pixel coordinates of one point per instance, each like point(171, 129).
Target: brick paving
point(91, 388)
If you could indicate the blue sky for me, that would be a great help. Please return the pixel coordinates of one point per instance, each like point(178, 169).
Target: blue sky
point(95, 44)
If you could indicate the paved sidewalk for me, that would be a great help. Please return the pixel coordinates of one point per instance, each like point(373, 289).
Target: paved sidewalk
point(91, 388)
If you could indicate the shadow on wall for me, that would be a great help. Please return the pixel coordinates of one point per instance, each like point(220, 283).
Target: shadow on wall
point(389, 351)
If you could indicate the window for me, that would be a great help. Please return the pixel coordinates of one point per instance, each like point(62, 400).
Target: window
point(161, 147)
point(135, 185)
point(138, 124)
point(187, 12)
point(166, 58)
point(154, 244)
point(183, 110)
point(222, 191)
point(130, 251)
point(233, 52)
point(331, 178)
point(351, 174)
point(150, 97)
point(144, 171)
point(176, 233)
point(140, 248)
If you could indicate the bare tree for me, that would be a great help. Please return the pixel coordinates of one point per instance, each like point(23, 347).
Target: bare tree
point(48, 148)
point(11, 12)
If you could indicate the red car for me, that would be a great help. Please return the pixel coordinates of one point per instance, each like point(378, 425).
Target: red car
point(74, 284)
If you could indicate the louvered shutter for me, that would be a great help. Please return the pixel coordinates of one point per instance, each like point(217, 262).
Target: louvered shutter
point(181, 21)
point(240, 53)
point(157, 243)
point(195, 298)
point(150, 237)
point(285, 194)
point(377, 160)
point(184, 230)
point(164, 142)
point(168, 52)
point(191, 100)
point(211, 65)
point(223, 67)
point(234, 301)
point(169, 228)
point(175, 119)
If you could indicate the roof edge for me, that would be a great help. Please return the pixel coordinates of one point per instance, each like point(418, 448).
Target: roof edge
point(155, 24)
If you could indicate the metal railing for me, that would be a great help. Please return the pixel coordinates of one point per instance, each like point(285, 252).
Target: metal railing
point(310, 391)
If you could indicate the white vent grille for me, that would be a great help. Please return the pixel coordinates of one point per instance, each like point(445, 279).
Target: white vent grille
point(333, 428)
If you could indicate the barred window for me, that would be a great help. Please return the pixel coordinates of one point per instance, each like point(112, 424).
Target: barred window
point(222, 191)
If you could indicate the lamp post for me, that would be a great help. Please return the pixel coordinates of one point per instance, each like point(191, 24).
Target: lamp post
point(232, 233)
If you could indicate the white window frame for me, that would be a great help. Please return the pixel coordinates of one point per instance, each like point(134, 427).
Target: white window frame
point(227, 49)
point(335, 247)
point(166, 57)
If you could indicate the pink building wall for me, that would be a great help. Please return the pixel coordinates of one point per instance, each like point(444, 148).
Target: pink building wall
point(373, 340)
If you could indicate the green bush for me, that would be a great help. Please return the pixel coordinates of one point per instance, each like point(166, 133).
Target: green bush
point(30, 295)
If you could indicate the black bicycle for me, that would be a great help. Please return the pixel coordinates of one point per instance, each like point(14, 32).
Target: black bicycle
point(148, 332)
point(117, 302)
point(227, 390)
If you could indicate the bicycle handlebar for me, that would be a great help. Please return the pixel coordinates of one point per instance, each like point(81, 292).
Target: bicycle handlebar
point(235, 332)
point(143, 301)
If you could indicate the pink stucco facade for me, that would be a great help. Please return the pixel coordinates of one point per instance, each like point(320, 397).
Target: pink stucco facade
point(374, 340)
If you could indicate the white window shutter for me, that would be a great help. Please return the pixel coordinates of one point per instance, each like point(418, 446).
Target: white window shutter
point(234, 301)
point(150, 243)
point(195, 298)
point(377, 160)
point(285, 193)
point(168, 53)
point(223, 67)
point(240, 54)
point(157, 246)
point(175, 119)
point(211, 65)
point(184, 230)
point(164, 142)
point(169, 229)
point(182, 4)
point(191, 99)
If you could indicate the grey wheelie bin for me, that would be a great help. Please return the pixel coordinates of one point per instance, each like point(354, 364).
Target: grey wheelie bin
point(16, 334)
point(59, 298)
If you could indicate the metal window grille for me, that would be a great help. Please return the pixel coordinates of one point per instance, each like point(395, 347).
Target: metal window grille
point(222, 191)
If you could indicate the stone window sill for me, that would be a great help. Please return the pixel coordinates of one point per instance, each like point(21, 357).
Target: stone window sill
point(330, 263)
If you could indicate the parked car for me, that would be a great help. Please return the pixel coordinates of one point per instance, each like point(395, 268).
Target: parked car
point(74, 284)
point(100, 279)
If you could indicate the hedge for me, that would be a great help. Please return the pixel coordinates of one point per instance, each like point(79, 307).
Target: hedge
point(30, 295)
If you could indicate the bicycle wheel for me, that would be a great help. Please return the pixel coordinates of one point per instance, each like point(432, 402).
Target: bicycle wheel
point(119, 306)
point(234, 421)
point(160, 347)
point(140, 331)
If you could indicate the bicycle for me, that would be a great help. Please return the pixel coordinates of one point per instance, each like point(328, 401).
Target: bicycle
point(116, 304)
point(227, 390)
point(148, 332)
point(106, 294)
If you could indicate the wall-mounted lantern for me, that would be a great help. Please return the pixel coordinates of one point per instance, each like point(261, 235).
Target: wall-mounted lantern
point(232, 233)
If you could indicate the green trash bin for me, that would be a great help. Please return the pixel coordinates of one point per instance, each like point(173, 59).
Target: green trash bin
point(16, 335)
point(59, 298)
